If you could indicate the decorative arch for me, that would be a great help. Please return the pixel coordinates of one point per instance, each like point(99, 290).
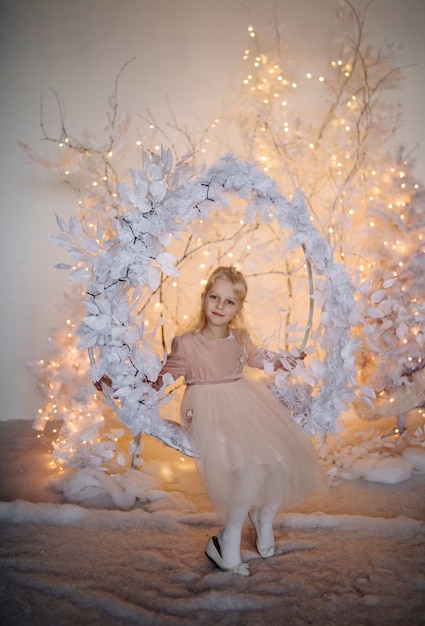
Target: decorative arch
point(162, 201)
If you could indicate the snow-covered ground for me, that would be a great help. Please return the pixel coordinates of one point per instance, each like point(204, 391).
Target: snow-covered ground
point(353, 554)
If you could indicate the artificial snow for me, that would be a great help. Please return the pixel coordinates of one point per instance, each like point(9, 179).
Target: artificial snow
point(416, 456)
point(378, 469)
point(85, 547)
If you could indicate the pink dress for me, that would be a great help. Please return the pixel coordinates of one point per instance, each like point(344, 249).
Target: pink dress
point(251, 452)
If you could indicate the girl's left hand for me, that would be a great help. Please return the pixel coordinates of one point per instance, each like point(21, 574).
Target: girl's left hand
point(292, 360)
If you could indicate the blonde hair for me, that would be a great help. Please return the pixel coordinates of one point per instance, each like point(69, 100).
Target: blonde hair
point(240, 289)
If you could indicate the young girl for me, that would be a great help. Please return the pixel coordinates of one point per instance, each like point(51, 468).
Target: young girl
point(253, 458)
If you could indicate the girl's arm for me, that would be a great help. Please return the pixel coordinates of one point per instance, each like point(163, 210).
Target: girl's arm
point(174, 365)
point(257, 357)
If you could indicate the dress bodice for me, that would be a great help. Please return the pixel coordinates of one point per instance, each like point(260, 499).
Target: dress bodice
point(203, 360)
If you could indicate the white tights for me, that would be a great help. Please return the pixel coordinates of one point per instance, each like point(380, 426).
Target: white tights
point(230, 536)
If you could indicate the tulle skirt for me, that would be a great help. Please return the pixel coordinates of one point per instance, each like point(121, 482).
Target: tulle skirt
point(250, 450)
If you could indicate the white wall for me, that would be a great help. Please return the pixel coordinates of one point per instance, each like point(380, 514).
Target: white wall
point(188, 50)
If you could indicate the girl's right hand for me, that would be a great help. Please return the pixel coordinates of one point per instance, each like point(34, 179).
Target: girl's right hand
point(105, 380)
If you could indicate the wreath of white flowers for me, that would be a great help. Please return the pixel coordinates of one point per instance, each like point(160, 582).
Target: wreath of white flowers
point(162, 200)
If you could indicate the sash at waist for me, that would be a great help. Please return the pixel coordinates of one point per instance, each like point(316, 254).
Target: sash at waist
point(212, 381)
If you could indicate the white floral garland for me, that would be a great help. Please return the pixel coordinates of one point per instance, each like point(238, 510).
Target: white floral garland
point(161, 202)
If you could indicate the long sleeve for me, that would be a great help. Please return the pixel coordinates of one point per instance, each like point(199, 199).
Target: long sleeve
point(176, 360)
point(255, 355)
point(258, 357)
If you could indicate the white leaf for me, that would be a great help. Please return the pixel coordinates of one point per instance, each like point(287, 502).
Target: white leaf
point(97, 322)
point(390, 282)
point(268, 367)
point(166, 261)
point(80, 275)
point(158, 190)
point(104, 306)
point(365, 286)
point(367, 391)
point(318, 367)
point(88, 341)
point(76, 255)
point(117, 332)
point(106, 454)
point(75, 226)
point(89, 244)
point(340, 406)
point(402, 331)
point(292, 327)
point(61, 239)
point(121, 460)
point(126, 193)
point(63, 266)
point(153, 278)
point(166, 158)
point(377, 296)
point(144, 205)
point(141, 183)
point(132, 335)
point(91, 307)
point(374, 312)
point(61, 224)
point(154, 170)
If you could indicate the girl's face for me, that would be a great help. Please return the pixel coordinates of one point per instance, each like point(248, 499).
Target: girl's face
point(220, 303)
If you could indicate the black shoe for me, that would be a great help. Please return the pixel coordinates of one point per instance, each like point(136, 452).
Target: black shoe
point(213, 552)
